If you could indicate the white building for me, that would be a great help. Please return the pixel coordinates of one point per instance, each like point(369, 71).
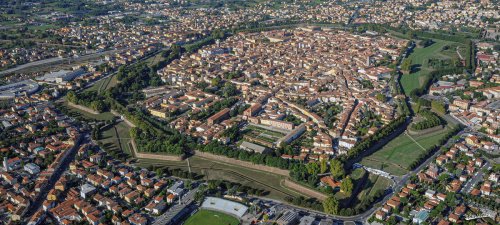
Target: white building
point(32, 168)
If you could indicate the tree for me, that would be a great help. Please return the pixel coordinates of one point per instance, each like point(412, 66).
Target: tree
point(336, 168)
point(331, 205)
point(323, 166)
point(229, 90)
point(346, 185)
point(380, 97)
point(313, 168)
point(215, 81)
point(406, 65)
point(438, 107)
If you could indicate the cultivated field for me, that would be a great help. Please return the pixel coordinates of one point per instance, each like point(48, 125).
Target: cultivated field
point(208, 217)
point(399, 153)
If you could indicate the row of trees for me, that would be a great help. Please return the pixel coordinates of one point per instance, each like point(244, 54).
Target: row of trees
point(365, 204)
point(132, 80)
point(216, 34)
point(148, 141)
point(309, 173)
point(371, 140)
point(430, 120)
point(306, 203)
point(89, 99)
point(217, 148)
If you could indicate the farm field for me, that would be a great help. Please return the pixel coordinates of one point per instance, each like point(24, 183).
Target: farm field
point(399, 153)
point(208, 217)
point(420, 57)
point(213, 170)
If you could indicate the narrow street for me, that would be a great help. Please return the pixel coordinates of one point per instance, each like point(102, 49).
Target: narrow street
point(63, 166)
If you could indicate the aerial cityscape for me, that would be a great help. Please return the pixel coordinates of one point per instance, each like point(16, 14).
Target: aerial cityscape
point(239, 112)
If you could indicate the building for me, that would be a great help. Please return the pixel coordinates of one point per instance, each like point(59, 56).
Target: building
point(288, 218)
point(277, 123)
point(294, 134)
point(248, 146)
point(225, 206)
point(18, 89)
point(421, 217)
point(253, 110)
point(463, 104)
point(307, 220)
point(32, 168)
point(177, 188)
point(86, 190)
point(218, 117)
point(61, 76)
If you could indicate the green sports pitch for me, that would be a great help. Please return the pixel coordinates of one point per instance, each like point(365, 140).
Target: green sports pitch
point(208, 217)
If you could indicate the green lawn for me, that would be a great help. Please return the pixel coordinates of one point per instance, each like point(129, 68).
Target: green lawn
point(420, 57)
point(399, 153)
point(117, 139)
point(373, 184)
point(103, 84)
point(208, 217)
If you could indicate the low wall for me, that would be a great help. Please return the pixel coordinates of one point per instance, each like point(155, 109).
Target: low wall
point(304, 190)
point(83, 108)
point(242, 163)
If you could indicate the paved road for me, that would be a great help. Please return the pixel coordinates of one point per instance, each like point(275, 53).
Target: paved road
point(58, 60)
point(476, 178)
point(172, 212)
point(63, 165)
point(401, 181)
point(320, 215)
point(31, 64)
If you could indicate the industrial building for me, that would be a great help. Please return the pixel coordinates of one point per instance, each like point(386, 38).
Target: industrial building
point(25, 87)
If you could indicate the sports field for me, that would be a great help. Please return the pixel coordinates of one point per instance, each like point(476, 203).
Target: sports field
point(399, 153)
point(420, 57)
point(208, 217)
